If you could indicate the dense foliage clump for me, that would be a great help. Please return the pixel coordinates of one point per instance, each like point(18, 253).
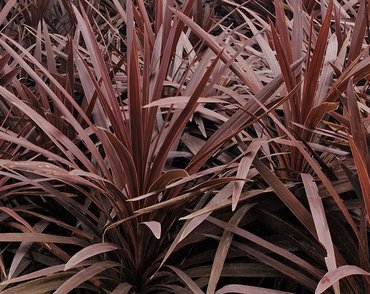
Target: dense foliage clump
point(184, 146)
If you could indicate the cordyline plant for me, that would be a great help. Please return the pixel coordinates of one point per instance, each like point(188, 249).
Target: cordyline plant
point(184, 146)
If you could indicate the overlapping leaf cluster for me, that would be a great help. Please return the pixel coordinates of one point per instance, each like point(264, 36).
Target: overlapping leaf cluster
point(184, 146)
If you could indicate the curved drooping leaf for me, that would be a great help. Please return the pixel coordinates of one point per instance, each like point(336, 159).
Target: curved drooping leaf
point(186, 280)
point(90, 251)
point(155, 228)
point(335, 275)
point(42, 285)
point(85, 275)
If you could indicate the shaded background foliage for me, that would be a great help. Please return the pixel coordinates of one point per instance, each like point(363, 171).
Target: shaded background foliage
point(184, 146)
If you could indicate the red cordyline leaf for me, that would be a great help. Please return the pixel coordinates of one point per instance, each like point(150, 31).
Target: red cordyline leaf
point(315, 65)
point(50, 57)
point(321, 224)
point(134, 93)
point(88, 252)
point(148, 73)
point(123, 288)
point(119, 170)
point(10, 76)
point(6, 9)
point(292, 112)
point(41, 238)
point(243, 169)
point(85, 275)
point(4, 61)
point(333, 276)
point(186, 280)
point(34, 275)
point(121, 11)
point(223, 249)
point(326, 77)
point(316, 114)
point(358, 32)
point(69, 85)
point(155, 228)
point(147, 22)
point(2, 268)
point(16, 216)
point(125, 158)
point(167, 178)
point(242, 289)
point(98, 104)
point(42, 285)
point(298, 32)
point(283, 30)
